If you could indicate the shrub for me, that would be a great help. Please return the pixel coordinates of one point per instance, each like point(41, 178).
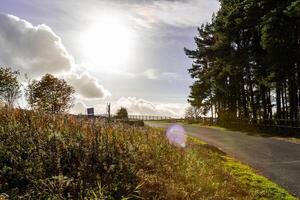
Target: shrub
point(9, 86)
point(122, 113)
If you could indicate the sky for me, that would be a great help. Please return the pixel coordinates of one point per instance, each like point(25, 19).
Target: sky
point(126, 52)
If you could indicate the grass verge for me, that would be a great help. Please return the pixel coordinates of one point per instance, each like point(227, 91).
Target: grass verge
point(255, 185)
point(259, 187)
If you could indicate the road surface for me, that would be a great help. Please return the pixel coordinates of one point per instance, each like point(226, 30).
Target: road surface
point(276, 159)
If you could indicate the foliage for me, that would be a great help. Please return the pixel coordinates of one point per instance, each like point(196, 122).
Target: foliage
point(50, 94)
point(9, 86)
point(247, 61)
point(122, 113)
point(46, 156)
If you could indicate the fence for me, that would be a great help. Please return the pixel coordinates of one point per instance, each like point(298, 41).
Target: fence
point(267, 122)
point(272, 125)
point(140, 117)
point(148, 117)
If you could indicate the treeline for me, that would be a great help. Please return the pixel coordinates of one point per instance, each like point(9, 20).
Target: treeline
point(247, 61)
point(50, 94)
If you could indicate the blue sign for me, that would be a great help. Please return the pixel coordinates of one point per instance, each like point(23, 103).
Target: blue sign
point(90, 111)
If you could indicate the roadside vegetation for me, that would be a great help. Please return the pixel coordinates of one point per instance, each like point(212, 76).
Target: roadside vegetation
point(46, 153)
point(45, 156)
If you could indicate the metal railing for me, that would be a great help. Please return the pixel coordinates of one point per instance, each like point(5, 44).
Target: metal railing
point(140, 117)
point(276, 125)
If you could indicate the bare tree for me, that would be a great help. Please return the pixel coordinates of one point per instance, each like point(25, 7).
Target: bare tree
point(9, 86)
point(193, 113)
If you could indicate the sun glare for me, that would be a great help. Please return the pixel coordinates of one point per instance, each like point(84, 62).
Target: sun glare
point(108, 42)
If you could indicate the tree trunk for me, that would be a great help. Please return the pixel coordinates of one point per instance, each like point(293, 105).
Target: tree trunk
point(278, 101)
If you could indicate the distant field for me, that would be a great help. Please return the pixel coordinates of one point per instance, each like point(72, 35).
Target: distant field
point(61, 157)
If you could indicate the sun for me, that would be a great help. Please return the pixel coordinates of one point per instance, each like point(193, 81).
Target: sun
point(109, 42)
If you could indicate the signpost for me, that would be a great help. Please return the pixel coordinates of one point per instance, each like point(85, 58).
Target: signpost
point(108, 111)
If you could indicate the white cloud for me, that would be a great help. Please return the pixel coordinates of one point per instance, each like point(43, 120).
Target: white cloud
point(154, 74)
point(31, 49)
point(78, 108)
point(170, 76)
point(37, 50)
point(87, 86)
point(151, 74)
point(187, 13)
point(136, 106)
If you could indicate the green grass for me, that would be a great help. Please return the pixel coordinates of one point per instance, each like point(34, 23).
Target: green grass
point(289, 139)
point(212, 127)
point(194, 125)
point(62, 157)
point(259, 187)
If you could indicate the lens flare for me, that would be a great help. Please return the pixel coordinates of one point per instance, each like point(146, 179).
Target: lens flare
point(176, 135)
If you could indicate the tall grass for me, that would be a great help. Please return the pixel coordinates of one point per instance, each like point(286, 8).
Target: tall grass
point(63, 157)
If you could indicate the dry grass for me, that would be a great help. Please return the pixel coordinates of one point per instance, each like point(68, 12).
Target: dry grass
point(62, 157)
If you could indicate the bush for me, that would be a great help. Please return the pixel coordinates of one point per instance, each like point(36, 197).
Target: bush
point(122, 114)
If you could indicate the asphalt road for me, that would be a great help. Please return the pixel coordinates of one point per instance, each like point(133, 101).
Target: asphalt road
point(276, 159)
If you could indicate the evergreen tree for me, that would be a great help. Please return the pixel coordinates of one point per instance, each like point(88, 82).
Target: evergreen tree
point(247, 61)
